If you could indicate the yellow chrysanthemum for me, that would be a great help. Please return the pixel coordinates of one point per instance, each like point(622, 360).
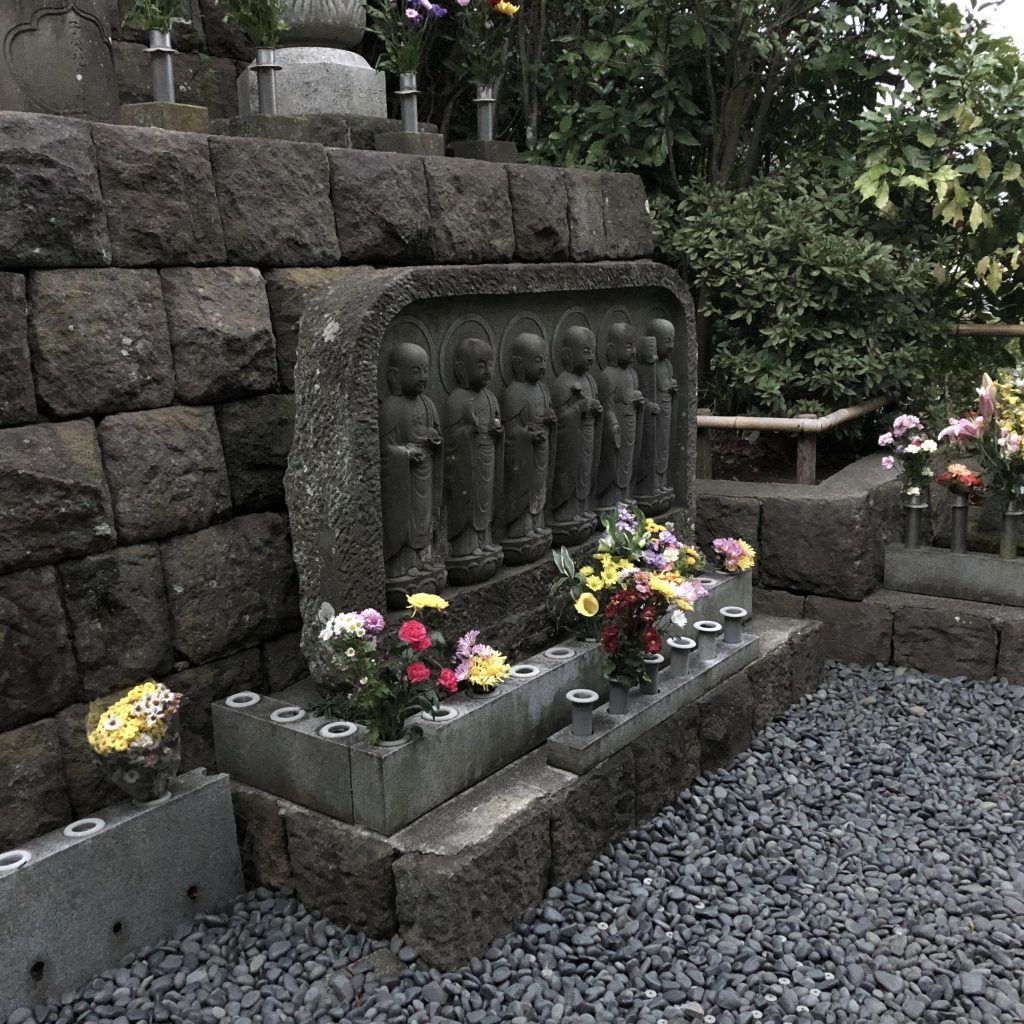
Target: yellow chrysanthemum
point(419, 601)
point(587, 570)
point(587, 605)
point(748, 558)
point(652, 527)
point(487, 670)
point(663, 588)
point(595, 583)
point(504, 7)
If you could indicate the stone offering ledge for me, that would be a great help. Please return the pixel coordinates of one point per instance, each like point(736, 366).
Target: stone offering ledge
point(123, 882)
point(974, 576)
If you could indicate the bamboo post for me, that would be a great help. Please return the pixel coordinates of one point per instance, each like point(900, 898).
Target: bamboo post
point(806, 454)
point(704, 468)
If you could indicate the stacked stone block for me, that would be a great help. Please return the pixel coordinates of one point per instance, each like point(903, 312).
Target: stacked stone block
point(151, 285)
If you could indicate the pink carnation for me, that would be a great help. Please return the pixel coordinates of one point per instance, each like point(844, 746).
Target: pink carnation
point(904, 423)
point(888, 461)
point(885, 440)
point(373, 621)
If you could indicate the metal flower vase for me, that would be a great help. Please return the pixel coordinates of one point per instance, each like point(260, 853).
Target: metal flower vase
point(1010, 536)
point(958, 528)
point(265, 69)
point(408, 95)
point(486, 103)
point(914, 507)
point(161, 66)
point(618, 699)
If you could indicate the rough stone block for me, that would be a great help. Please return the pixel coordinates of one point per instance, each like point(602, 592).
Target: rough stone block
point(596, 809)
point(726, 721)
point(974, 576)
point(99, 341)
point(470, 210)
point(166, 471)
point(55, 500)
point(35, 799)
point(627, 221)
point(341, 870)
point(283, 662)
point(1011, 652)
point(220, 332)
point(289, 291)
point(17, 392)
point(421, 143)
point(256, 434)
point(790, 665)
point(666, 762)
point(780, 603)
point(38, 674)
point(946, 641)
point(854, 631)
point(275, 202)
point(87, 785)
point(201, 687)
point(119, 618)
point(540, 212)
point(231, 586)
point(586, 215)
point(726, 515)
point(159, 197)
point(808, 659)
point(380, 207)
point(51, 209)
point(175, 117)
point(262, 843)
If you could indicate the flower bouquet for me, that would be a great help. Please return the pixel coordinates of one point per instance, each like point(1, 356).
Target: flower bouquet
point(960, 480)
point(910, 452)
point(734, 554)
point(479, 666)
point(137, 739)
point(403, 28)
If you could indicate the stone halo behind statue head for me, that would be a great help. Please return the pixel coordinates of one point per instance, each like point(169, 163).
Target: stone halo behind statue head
point(404, 358)
point(574, 339)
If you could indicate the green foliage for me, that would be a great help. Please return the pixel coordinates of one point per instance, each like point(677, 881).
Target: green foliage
point(403, 41)
point(260, 21)
point(482, 35)
point(155, 15)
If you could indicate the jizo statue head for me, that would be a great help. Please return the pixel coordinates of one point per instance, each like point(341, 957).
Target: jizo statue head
point(529, 357)
point(408, 368)
point(578, 348)
point(474, 363)
point(665, 332)
point(621, 345)
point(647, 350)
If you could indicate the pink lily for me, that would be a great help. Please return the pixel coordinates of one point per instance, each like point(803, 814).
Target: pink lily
point(987, 397)
point(964, 429)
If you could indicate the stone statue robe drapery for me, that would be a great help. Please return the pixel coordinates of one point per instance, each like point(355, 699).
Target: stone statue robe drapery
point(623, 427)
point(577, 443)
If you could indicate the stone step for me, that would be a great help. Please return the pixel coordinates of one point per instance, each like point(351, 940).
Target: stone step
point(973, 576)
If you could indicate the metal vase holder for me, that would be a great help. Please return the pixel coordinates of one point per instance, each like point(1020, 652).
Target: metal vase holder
point(486, 104)
point(1011, 528)
point(583, 703)
point(653, 664)
point(914, 506)
point(618, 700)
point(707, 639)
point(682, 647)
point(266, 79)
point(161, 65)
point(734, 618)
point(408, 96)
point(958, 529)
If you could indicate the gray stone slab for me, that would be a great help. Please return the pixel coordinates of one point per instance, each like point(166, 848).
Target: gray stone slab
point(974, 576)
point(288, 759)
point(580, 754)
point(735, 589)
point(132, 884)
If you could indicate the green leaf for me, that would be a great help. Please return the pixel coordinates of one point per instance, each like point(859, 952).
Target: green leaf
point(926, 136)
point(983, 165)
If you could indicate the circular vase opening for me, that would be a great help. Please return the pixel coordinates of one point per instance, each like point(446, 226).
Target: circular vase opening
point(441, 715)
point(733, 611)
point(525, 671)
point(708, 582)
point(681, 643)
point(338, 730)
point(289, 714)
point(84, 827)
point(245, 699)
point(163, 798)
point(560, 653)
point(583, 696)
point(708, 627)
point(14, 859)
point(400, 742)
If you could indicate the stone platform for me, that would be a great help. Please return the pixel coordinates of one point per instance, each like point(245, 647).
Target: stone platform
point(973, 576)
point(461, 874)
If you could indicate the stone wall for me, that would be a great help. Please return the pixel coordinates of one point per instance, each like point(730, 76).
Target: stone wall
point(151, 285)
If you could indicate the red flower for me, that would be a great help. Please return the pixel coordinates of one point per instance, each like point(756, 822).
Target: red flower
point(652, 641)
point(648, 614)
point(610, 639)
point(414, 633)
point(418, 672)
point(448, 680)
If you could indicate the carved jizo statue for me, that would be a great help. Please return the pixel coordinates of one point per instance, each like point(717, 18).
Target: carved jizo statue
point(473, 459)
point(411, 475)
point(529, 424)
point(574, 397)
point(623, 403)
point(667, 388)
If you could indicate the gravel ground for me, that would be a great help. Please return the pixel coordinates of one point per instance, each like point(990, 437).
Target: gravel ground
point(863, 862)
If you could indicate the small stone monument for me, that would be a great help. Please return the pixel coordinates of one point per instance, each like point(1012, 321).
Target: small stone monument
point(56, 58)
point(623, 402)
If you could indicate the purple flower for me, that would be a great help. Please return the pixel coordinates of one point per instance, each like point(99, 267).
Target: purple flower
point(653, 559)
point(904, 423)
point(412, 14)
point(373, 621)
point(625, 519)
point(437, 11)
point(464, 648)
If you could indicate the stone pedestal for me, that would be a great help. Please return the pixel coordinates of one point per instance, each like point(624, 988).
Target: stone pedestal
point(414, 143)
point(320, 80)
point(177, 117)
point(496, 152)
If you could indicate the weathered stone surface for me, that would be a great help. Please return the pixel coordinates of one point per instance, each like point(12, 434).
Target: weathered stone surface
point(230, 586)
point(666, 762)
point(203, 685)
point(166, 471)
point(807, 665)
point(725, 515)
point(283, 662)
point(944, 640)
point(17, 392)
point(470, 210)
point(627, 222)
point(451, 907)
point(38, 675)
point(1011, 652)
point(99, 341)
point(87, 786)
point(51, 210)
point(380, 207)
point(726, 721)
point(778, 602)
point(289, 292)
point(586, 215)
point(790, 665)
point(55, 500)
point(854, 631)
point(175, 117)
point(119, 618)
point(159, 197)
point(220, 332)
point(275, 202)
point(342, 870)
point(35, 800)
point(257, 435)
point(540, 212)
point(259, 821)
point(598, 808)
